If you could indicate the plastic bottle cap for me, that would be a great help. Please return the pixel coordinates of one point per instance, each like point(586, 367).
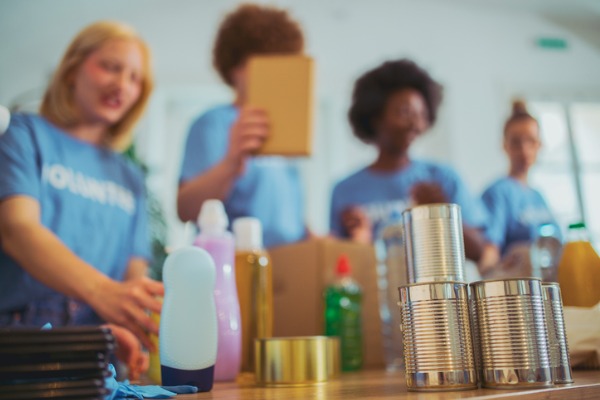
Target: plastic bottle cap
point(4, 119)
point(343, 266)
point(248, 233)
point(577, 225)
point(212, 216)
point(547, 230)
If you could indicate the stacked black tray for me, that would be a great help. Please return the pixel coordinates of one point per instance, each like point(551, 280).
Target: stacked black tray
point(60, 363)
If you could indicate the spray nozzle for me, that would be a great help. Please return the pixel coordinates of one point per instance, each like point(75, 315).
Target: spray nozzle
point(212, 216)
point(342, 267)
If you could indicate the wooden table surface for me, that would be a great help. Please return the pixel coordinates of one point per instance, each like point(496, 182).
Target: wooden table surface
point(388, 385)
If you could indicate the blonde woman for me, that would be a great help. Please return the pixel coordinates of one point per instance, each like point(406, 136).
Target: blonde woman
point(73, 229)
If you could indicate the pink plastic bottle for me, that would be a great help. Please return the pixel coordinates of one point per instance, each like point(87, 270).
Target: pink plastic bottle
point(219, 243)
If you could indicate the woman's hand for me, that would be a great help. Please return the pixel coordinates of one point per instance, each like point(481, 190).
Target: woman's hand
point(428, 193)
point(125, 304)
point(46, 258)
point(129, 351)
point(357, 225)
point(247, 135)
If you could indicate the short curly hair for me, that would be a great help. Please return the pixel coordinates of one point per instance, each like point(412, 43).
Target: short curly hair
point(253, 29)
point(373, 89)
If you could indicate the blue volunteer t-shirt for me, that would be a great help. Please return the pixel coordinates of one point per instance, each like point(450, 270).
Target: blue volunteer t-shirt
point(269, 189)
point(91, 198)
point(379, 194)
point(516, 211)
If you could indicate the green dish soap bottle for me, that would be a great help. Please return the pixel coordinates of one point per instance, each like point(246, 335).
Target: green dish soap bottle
point(343, 303)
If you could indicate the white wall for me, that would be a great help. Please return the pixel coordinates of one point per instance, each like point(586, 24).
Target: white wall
point(482, 55)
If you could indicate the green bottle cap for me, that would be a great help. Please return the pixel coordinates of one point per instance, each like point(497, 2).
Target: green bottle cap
point(577, 225)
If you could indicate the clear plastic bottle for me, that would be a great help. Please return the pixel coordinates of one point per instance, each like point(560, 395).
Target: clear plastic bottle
point(219, 243)
point(579, 269)
point(343, 303)
point(545, 252)
point(254, 279)
point(391, 273)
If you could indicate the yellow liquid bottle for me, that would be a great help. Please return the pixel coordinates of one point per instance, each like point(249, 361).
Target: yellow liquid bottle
point(254, 280)
point(579, 270)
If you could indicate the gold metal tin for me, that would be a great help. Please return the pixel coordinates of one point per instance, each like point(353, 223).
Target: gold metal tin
point(296, 361)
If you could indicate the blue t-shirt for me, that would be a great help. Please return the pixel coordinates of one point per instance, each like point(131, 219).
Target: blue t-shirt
point(269, 189)
point(516, 211)
point(380, 194)
point(91, 198)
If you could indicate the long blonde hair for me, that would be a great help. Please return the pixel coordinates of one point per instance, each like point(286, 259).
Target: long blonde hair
point(58, 104)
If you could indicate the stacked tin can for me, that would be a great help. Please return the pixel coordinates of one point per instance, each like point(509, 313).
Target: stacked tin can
point(503, 333)
point(434, 307)
point(434, 243)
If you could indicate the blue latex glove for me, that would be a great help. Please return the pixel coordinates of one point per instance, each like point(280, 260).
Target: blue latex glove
point(181, 389)
point(124, 390)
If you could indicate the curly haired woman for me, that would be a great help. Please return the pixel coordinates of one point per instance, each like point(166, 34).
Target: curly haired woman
point(393, 105)
point(218, 161)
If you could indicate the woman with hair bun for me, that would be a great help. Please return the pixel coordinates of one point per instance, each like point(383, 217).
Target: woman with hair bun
point(516, 209)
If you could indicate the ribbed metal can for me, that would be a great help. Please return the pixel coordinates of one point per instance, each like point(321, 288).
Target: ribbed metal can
point(513, 333)
point(475, 334)
point(557, 335)
point(434, 243)
point(435, 326)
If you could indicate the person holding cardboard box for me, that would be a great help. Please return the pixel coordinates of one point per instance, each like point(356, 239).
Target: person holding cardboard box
point(393, 105)
point(219, 160)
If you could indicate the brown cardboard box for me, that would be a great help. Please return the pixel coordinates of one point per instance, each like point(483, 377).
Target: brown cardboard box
point(301, 272)
point(283, 86)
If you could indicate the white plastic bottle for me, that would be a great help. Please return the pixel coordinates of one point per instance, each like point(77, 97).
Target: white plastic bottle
point(188, 323)
point(219, 243)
